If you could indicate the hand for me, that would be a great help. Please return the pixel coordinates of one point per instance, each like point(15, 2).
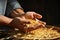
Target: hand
point(29, 15)
point(19, 23)
point(33, 15)
point(16, 12)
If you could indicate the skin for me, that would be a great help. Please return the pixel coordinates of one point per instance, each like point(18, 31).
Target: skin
point(4, 20)
point(29, 14)
point(18, 20)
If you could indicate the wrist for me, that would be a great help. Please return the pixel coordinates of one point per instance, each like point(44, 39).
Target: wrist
point(9, 21)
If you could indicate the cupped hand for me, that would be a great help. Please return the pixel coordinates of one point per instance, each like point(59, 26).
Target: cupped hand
point(19, 23)
point(32, 15)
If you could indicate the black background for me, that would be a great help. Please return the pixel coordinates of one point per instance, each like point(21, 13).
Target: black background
point(49, 9)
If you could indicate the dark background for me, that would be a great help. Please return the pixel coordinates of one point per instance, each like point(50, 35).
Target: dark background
point(49, 9)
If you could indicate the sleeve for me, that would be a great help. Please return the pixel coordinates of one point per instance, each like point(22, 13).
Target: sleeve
point(3, 6)
point(12, 4)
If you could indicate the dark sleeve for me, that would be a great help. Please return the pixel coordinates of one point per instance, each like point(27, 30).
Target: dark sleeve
point(3, 6)
point(12, 4)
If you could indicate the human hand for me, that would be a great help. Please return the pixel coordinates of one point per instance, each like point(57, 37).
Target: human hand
point(19, 23)
point(29, 15)
point(33, 15)
point(16, 12)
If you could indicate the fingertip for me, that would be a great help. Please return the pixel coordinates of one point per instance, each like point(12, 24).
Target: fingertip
point(39, 16)
point(45, 23)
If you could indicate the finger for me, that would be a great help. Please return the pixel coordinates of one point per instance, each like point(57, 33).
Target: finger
point(37, 16)
point(41, 21)
point(13, 13)
point(38, 20)
point(32, 17)
point(44, 23)
point(16, 14)
point(29, 15)
point(19, 11)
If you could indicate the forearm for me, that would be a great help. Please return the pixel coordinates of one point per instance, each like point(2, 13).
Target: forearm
point(4, 20)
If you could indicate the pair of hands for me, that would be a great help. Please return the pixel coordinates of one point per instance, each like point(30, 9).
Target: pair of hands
point(19, 20)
